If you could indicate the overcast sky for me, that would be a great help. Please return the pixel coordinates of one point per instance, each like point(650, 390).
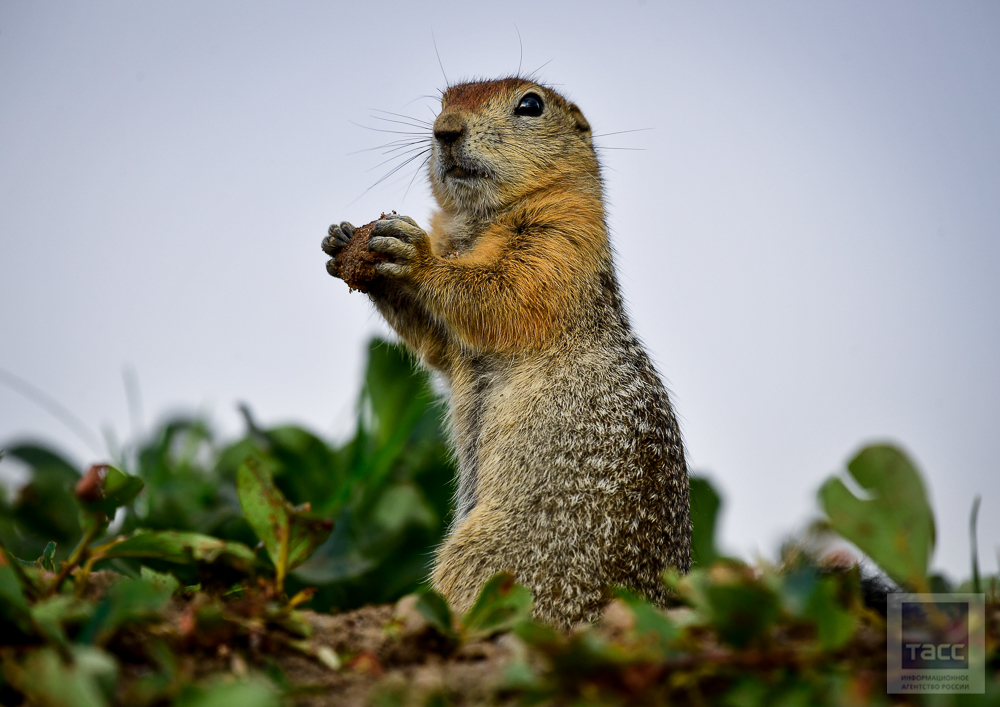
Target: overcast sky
point(808, 234)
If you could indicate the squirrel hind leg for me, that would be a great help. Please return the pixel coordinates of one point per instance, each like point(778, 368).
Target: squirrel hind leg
point(565, 593)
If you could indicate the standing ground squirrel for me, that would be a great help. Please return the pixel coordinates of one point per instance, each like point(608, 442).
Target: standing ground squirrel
point(571, 470)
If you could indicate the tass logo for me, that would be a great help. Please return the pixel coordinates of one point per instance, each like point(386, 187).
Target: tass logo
point(935, 642)
point(935, 635)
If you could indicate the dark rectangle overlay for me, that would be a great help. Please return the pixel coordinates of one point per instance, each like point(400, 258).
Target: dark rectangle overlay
point(935, 635)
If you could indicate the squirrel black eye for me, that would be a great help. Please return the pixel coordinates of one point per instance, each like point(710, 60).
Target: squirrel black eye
point(530, 105)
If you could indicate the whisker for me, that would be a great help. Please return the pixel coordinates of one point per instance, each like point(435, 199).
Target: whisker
point(425, 143)
point(520, 50)
point(396, 157)
point(426, 95)
point(622, 132)
point(438, 55)
point(382, 130)
point(395, 144)
point(400, 122)
point(415, 173)
point(386, 176)
point(400, 115)
point(533, 74)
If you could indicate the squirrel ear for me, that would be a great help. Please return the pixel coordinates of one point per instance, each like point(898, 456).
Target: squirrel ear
point(579, 122)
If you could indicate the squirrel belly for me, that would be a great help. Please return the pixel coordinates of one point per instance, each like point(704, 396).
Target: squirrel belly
point(571, 470)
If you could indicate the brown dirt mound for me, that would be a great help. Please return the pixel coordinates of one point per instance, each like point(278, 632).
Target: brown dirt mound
point(390, 652)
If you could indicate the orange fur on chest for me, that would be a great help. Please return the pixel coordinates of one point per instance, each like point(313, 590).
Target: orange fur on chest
point(523, 278)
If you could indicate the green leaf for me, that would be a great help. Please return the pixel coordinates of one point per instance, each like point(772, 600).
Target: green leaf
point(895, 525)
point(402, 505)
point(13, 604)
point(395, 402)
point(649, 620)
point(742, 612)
point(306, 468)
point(44, 508)
point(308, 532)
point(705, 504)
point(163, 581)
point(255, 692)
point(263, 505)
point(104, 489)
point(52, 615)
point(434, 608)
point(46, 561)
point(182, 548)
point(834, 623)
point(126, 601)
point(501, 605)
point(290, 535)
point(86, 681)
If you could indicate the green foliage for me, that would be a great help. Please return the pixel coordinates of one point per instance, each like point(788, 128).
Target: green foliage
point(501, 606)
point(290, 534)
point(108, 490)
point(128, 600)
point(67, 634)
point(255, 692)
point(45, 510)
point(85, 677)
point(705, 505)
point(209, 542)
point(194, 510)
point(433, 607)
point(387, 490)
point(894, 525)
point(178, 547)
point(14, 609)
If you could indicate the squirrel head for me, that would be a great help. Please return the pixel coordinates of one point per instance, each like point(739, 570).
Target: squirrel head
point(496, 141)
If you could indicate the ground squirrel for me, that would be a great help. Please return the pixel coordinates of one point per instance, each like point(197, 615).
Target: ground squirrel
point(571, 471)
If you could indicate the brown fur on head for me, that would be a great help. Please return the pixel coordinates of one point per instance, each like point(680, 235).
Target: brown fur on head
point(489, 151)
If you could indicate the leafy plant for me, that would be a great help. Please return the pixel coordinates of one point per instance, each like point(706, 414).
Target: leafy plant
point(387, 491)
point(71, 632)
point(179, 574)
point(894, 525)
point(290, 534)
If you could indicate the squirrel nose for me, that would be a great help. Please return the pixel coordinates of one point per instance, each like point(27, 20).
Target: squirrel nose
point(448, 128)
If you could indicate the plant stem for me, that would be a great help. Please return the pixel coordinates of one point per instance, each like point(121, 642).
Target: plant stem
point(973, 518)
point(282, 568)
point(78, 553)
point(93, 557)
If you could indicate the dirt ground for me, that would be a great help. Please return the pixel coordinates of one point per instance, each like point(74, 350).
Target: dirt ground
point(391, 652)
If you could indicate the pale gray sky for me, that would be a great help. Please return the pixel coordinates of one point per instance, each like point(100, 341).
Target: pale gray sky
point(809, 238)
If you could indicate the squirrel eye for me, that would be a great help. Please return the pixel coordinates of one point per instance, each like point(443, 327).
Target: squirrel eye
point(530, 105)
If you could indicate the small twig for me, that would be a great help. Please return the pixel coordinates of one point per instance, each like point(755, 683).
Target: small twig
point(282, 568)
point(79, 552)
point(95, 556)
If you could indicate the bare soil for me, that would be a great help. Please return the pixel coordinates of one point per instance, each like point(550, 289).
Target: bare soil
point(392, 651)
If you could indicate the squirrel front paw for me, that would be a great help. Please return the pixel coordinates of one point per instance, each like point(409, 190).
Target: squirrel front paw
point(337, 238)
point(401, 239)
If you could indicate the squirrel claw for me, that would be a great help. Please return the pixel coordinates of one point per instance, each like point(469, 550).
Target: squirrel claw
point(337, 238)
point(393, 270)
point(400, 238)
point(394, 247)
point(403, 228)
